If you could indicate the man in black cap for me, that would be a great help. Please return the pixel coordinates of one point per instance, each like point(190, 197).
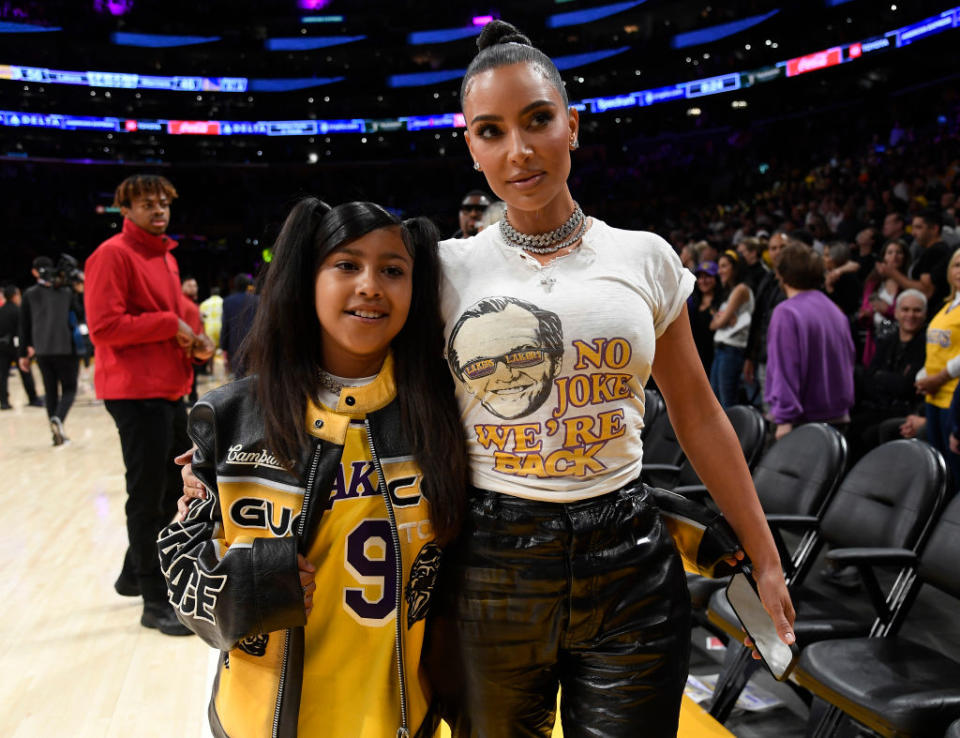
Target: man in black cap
point(472, 208)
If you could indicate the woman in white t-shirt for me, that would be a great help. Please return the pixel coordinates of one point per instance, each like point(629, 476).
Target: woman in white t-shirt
point(879, 297)
point(731, 326)
point(565, 575)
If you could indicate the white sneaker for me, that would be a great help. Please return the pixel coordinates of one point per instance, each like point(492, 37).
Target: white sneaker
point(57, 427)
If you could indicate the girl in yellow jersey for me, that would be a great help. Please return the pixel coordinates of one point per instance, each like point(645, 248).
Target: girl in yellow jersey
point(938, 379)
point(312, 560)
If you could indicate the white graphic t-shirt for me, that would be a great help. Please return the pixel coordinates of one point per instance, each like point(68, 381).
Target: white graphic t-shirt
point(550, 362)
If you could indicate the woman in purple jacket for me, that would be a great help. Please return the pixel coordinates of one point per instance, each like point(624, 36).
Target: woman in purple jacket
point(810, 351)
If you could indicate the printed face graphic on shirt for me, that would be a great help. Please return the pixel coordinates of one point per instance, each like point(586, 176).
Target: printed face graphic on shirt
point(506, 352)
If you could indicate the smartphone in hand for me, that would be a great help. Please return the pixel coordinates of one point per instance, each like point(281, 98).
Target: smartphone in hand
point(778, 657)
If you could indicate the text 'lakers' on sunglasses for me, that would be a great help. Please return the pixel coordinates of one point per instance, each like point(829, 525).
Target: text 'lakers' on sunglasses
point(484, 366)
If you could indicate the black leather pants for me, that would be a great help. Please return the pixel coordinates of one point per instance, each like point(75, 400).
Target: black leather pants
point(588, 596)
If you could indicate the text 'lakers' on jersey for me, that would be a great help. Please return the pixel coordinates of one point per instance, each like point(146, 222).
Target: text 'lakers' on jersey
point(352, 504)
point(350, 672)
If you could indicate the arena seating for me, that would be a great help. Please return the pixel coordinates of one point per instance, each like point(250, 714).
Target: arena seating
point(889, 500)
point(892, 685)
point(794, 482)
point(653, 408)
point(747, 423)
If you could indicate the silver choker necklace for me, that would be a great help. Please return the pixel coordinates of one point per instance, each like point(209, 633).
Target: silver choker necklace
point(328, 382)
point(546, 243)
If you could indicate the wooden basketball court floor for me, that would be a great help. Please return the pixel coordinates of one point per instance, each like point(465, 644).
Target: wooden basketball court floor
point(75, 660)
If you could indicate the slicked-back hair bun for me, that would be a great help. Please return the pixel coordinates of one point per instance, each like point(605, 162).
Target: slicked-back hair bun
point(500, 44)
point(500, 32)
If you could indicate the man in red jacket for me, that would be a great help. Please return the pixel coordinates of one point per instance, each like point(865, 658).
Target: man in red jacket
point(144, 352)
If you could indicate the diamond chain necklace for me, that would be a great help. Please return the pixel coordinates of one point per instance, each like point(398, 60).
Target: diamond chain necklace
point(328, 382)
point(545, 243)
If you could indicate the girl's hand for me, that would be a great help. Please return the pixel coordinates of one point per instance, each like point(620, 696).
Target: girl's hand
point(189, 493)
point(192, 487)
point(776, 601)
point(308, 572)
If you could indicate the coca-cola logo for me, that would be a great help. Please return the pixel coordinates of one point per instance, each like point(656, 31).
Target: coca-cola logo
point(811, 62)
point(197, 127)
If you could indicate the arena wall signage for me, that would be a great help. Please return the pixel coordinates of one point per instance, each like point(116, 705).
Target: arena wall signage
point(815, 61)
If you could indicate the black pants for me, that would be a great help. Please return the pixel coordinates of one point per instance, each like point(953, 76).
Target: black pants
point(59, 372)
point(6, 359)
point(588, 596)
point(152, 432)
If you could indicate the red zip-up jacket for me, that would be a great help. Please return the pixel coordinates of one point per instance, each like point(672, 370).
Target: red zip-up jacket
point(132, 296)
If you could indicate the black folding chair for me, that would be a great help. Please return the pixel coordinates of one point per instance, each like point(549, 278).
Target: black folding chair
point(653, 408)
point(794, 481)
point(887, 501)
point(893, 686)
point(747, 423)
point(661, 449)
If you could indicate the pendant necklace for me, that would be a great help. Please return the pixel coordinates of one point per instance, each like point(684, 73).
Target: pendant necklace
point(546, 279)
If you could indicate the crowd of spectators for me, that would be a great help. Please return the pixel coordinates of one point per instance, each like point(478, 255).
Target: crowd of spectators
point(870, 194)
point(842, 297)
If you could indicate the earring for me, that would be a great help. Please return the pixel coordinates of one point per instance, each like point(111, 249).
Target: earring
point(476, 165)
point(574, 144)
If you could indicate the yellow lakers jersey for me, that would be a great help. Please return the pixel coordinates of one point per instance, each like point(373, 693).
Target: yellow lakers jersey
point(943, 342)
point(351, 684)
point(369, 608)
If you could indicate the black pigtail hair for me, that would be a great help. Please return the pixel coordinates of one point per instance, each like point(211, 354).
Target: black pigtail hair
point(428, 405)
point(283, 348)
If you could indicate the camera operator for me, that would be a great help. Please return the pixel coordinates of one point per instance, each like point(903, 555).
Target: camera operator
point(9, 341)
point(46, 332)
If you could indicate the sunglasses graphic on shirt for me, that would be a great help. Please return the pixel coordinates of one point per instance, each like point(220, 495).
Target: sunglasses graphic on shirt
point(484, 366)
